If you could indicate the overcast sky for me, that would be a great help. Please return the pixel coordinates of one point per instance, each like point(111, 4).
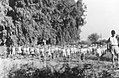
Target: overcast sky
point(102, 17)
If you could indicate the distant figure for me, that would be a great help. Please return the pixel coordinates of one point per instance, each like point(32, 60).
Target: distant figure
point(113, 46)
point(44, 41)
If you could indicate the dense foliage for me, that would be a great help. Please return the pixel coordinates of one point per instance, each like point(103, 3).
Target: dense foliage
point(93, 38)
point(26, 21)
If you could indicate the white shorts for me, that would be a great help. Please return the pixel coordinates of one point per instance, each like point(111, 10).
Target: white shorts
point(115, 50)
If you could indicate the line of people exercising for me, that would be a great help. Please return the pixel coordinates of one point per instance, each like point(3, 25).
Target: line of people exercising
point(42, 51)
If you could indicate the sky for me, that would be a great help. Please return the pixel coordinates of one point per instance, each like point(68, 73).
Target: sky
point(102, 17)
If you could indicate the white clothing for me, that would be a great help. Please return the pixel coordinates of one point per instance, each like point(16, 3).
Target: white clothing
point(32, 50)
point(25, 50)
point(115, 50)
point(84, 50)
point(64, 52)
point(99, 51)
point(13, 50)
point(114, 45)
point(37, 50)
point(72, 50)
point(20, 50)
point(113, 40)
point(68, 51)
point(49, 52)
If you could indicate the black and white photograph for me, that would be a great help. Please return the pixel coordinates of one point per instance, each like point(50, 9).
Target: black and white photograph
point(59, 38)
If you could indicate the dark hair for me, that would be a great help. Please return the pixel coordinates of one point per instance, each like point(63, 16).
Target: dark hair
point(113, 32)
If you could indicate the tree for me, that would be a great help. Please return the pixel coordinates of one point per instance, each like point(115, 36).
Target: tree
point(102, 42)
point(85, 42)
point(93, 38)
point(56, 21)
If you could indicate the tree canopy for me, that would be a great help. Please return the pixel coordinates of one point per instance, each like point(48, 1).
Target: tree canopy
point(56, 21)
point(93, 38)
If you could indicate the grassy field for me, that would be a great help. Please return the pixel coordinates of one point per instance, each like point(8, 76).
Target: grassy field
point(35, 68)
point(19, 66)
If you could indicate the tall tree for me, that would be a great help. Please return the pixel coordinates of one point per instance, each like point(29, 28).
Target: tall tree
point(57, 21)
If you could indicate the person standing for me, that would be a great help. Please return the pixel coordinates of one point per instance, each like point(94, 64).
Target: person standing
point(113, 46)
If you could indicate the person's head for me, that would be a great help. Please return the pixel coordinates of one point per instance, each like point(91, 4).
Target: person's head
point(113, 32)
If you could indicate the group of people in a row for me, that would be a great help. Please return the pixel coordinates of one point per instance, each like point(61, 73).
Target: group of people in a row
point(52, 51)
point(43, 50)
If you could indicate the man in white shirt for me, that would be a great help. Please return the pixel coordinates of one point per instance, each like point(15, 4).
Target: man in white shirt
point(113, 45)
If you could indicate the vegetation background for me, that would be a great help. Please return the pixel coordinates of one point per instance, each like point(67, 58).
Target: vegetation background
point(31, 21)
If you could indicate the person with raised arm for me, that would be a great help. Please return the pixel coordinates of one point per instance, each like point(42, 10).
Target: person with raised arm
point(113, 46)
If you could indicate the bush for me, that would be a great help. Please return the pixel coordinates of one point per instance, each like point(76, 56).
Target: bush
point(106, 57)
point(91, 57)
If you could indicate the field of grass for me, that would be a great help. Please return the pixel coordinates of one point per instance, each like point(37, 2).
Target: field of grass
point(34, 68)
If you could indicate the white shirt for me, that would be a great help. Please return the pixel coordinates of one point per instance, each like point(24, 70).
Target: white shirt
point(99, 51)
point(13, 50)
point(68, 51)
point(20, 50)
point(113, 40)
